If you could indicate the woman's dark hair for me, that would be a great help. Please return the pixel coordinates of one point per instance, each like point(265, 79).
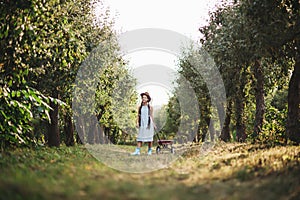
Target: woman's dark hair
point(140, 110)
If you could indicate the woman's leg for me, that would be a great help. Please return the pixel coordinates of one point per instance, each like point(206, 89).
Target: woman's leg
point(139, 144)
point(138, 148)
point(150, 148)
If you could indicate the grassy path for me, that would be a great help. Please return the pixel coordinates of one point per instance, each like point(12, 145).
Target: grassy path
point(229, 171)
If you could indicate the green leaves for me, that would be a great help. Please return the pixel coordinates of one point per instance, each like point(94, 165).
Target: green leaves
point(16, 114)
point(244, 32)
point(43, 44)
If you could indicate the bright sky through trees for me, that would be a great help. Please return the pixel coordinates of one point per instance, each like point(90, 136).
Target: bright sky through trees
point(184, 17)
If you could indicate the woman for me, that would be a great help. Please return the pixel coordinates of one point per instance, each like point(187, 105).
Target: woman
point(145, 123)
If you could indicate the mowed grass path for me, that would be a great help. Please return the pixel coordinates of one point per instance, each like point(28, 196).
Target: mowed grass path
point(227, 171)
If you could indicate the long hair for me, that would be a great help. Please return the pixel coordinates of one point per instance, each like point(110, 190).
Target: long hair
point(140, 110)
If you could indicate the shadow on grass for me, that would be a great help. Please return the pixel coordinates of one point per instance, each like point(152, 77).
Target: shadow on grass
point(72, 173)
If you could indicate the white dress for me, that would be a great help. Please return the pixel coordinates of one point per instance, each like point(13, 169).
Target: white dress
point(145, 133)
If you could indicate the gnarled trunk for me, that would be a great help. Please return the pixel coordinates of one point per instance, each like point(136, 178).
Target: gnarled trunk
point(80, 129)
point(240, 124)
point(69, 130)
point(92, 130)
point(293, 121)
point(53, 128)
point(239, 110)
point(225, 134)
point(260, 99)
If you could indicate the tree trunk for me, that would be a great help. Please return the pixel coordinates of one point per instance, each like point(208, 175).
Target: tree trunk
point(204, 133)
point(210, 128)
point(106, 133)
point(197, 138)
point(203, 125)
point(97, 135)
point(239, 110)
point(260, 99)
point(212, 131)
point(225, 134)
point(240, 107)
point(80, 129)
point(221, 113)
point(240, 124)
point(113, 136)
point(69, 130)
point(53, 128)
point(102, 137)
point(293, 122)
point(92, 130)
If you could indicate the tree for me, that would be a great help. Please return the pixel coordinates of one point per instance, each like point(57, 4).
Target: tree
point(20, 103)
point(225, 39)
point(173, 117)
point(104, 98)
point(66, 33)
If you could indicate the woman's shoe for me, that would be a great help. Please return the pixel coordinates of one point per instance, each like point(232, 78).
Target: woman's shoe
point(136, 152)
point(149, 152)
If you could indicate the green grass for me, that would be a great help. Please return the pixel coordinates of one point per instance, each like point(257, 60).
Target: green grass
point(228, 171)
